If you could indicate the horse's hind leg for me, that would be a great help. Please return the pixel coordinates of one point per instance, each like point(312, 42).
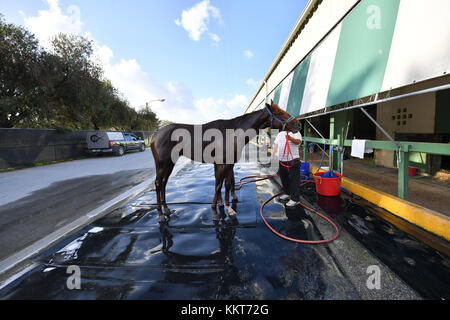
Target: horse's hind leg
point(163, 171)
point(158, 185)
point(166, 173)
point(159, 166)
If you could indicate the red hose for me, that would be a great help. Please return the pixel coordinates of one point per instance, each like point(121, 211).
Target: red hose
point(263, 177)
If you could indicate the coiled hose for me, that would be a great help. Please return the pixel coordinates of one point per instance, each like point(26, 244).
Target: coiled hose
point(264, 177)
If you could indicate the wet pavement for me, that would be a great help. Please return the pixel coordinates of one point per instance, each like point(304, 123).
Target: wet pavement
point(27, 220)
point(128, 255)
point(37, 202)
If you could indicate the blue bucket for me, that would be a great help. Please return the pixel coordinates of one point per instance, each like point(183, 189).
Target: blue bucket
point(304, 168)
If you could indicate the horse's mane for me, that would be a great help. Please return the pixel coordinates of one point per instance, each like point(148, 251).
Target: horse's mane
point(237, 120)
point(245, 116)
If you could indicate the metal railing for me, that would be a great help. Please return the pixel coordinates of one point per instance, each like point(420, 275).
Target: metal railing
point(404, 148)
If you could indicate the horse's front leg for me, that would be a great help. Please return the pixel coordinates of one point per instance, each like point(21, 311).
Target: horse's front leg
point(229, 182)
point(233, 195)
point(218, 194)
point(229, 185)
point(219, 174)
point(233, 185)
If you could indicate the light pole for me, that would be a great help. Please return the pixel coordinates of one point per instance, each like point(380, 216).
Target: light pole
point(160, 100)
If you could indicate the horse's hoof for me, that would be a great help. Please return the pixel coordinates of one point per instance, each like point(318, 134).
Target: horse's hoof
point(231, 211)
point(235, 200)
point(220, 204)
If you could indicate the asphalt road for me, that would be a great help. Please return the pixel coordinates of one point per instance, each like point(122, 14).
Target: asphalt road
point(37, 201)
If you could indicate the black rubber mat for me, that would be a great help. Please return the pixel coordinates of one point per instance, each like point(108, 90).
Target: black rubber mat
point(129, 255)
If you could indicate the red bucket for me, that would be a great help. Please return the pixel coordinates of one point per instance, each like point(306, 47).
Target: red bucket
point(412, 171)
point(330, 187)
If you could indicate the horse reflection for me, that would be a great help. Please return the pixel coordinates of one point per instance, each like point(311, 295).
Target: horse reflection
point(225, 229)
point(225, 233)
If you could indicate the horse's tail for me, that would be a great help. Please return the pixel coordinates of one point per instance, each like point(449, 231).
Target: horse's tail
point(160, 143)
point(153, 135)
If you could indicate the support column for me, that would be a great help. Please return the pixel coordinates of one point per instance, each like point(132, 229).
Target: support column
point(338, 154)
point(332, 128)
point(403, 172)
point(305, 144)
point(339, 131)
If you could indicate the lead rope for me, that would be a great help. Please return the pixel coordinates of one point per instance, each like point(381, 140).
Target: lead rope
point(288, 147)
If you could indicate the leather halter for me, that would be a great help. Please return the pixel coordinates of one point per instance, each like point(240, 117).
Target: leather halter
point(272, 117)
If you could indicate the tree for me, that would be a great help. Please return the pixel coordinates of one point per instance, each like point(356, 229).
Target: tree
point(61, 87)
point(149, 121)
point(19, 75)
point(79, 86)
point(164, 123)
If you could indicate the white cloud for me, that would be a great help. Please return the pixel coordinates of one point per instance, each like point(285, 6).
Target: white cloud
point(248, 54)
point(212, 108)
point(252, 82)
point(52, 21)
point(196, 20)
point(214, 37)
point(237, 105)
point(103, 53)
point(136, 85)
point(179, 105)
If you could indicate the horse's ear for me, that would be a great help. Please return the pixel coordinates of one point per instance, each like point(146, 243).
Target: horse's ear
point(268, 105)
point(271, 102)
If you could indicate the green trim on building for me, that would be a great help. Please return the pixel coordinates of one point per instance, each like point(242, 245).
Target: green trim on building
point(363, 51)
point(277, 93)
point(298, 87)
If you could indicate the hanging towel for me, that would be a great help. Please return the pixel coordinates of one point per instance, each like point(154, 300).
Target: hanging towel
point(358, 147)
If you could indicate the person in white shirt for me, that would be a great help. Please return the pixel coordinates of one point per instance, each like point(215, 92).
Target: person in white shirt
point(289, 165)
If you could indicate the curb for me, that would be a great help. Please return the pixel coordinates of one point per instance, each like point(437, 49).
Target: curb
point(427, 219)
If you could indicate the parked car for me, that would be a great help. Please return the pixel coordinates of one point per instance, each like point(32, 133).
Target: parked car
point(99, 142)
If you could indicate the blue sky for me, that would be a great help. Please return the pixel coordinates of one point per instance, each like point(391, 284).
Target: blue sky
point(205, 57)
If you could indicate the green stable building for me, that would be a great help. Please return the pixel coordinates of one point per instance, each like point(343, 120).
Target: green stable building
point(374, 70)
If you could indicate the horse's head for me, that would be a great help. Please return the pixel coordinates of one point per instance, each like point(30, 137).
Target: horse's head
point(280, 119)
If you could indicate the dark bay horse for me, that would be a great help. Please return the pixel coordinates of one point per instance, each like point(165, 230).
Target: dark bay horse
point(175, 140)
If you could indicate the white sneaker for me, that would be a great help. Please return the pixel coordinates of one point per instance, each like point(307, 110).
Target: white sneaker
point(284, 197)
point(291, 203)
